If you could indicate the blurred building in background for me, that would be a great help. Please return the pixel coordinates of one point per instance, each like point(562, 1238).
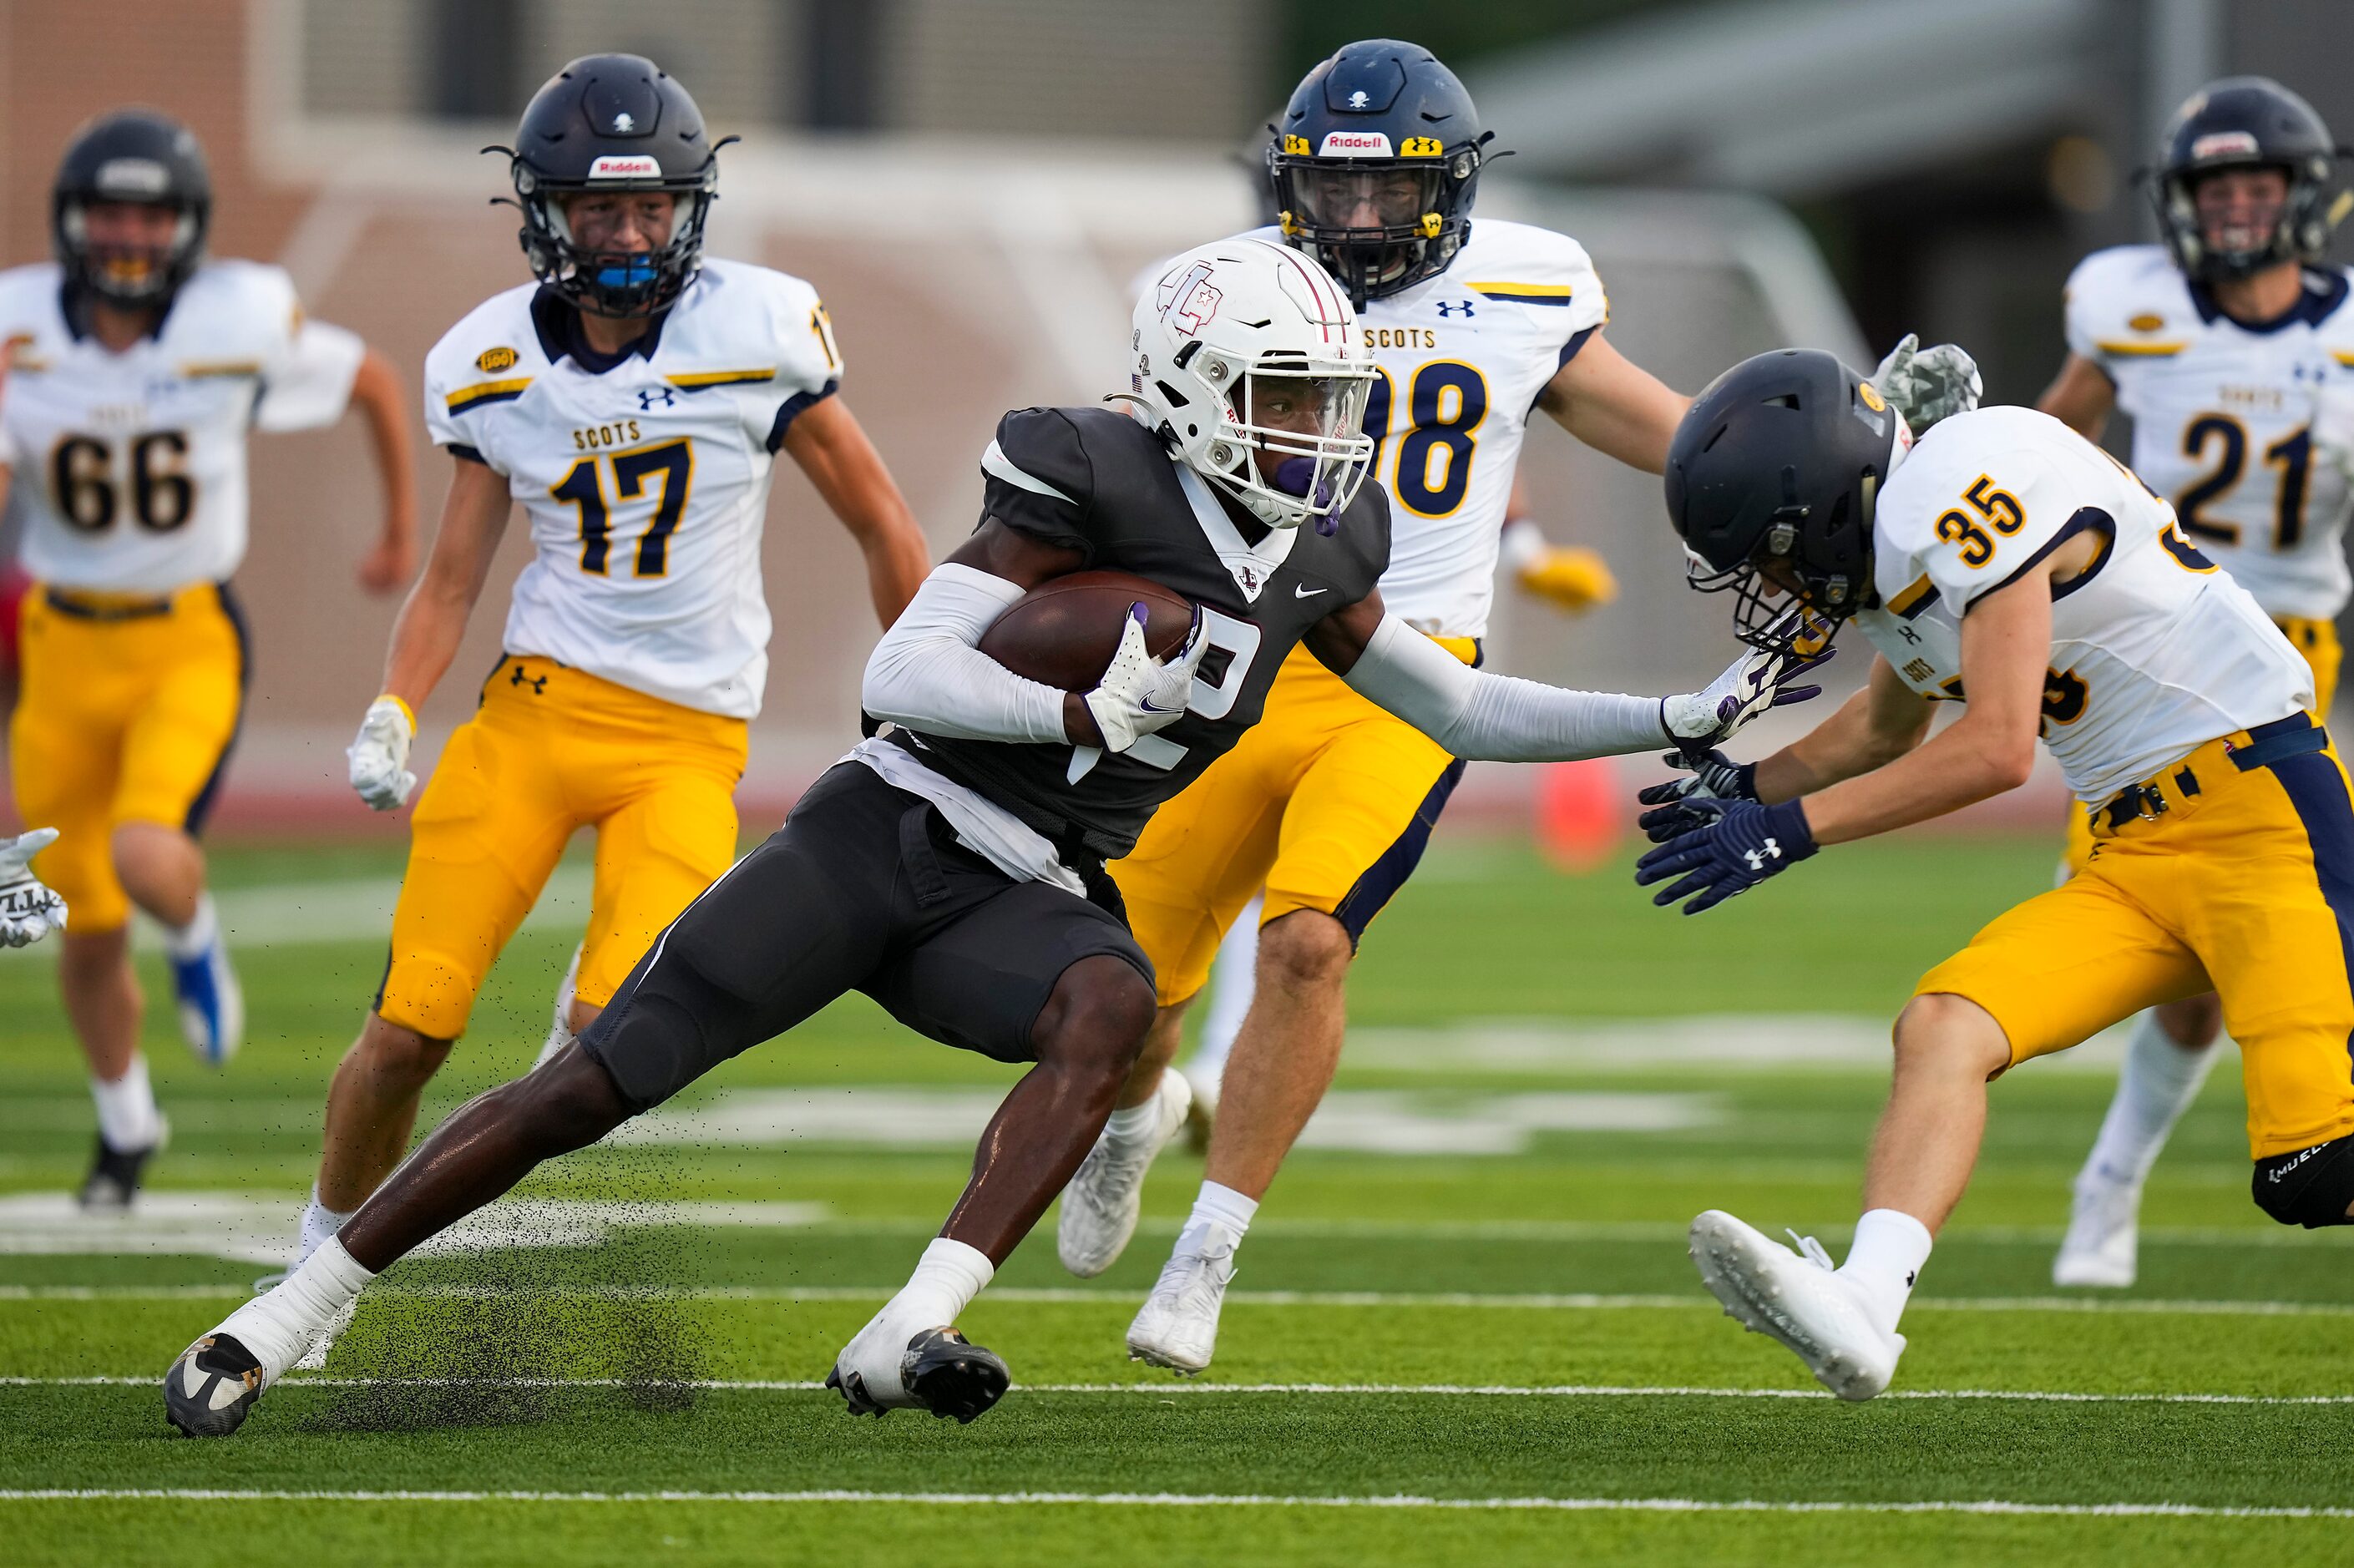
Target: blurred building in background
point(974, 184)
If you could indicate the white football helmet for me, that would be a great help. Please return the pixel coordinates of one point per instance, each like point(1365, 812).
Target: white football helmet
point(1245, 349)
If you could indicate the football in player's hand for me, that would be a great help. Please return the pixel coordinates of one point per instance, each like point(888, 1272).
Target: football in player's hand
point(1064, 631)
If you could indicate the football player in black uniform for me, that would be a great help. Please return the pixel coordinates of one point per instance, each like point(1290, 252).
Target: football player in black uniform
point(952, 867)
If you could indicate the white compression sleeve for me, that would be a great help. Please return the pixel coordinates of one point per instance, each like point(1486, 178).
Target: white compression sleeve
point(1497, 719)
point(928, 674)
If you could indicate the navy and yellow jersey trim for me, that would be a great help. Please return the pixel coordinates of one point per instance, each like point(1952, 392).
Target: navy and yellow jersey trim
point(483, 393)
point(1915, 600)
point(470, 454)
point(2127, 349)
point(1523, 294)
point(792, 408)
point(697, 380)
point(219, 369)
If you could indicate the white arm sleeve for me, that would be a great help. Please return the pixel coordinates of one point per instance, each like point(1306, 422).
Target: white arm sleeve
point(928, 674)
point(1497, 719)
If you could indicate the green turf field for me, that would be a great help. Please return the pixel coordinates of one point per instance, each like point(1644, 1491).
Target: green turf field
point(1464, 1326)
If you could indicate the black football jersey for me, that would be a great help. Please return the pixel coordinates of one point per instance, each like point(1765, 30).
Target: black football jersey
point(1097, 482)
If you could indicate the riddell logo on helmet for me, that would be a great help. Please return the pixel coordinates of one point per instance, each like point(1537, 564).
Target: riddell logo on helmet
point(638, 166)
point(2225, 144)
point(1187, 301)
point(1354, 144)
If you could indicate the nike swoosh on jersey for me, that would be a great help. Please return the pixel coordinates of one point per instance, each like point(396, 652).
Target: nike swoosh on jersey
point(1301, 591)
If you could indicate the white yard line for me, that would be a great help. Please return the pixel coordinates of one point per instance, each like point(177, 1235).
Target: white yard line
point(1158, 1390)
point(1564, 1301)
point(1192, 1500)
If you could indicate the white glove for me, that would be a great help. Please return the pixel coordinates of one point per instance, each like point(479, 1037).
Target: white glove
point(28, 911)
point(1757, 681)
point(379, 757)
point(1926, 385)
point(1139, 694)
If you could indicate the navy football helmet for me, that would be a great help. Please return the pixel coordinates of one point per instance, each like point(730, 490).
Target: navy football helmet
point(1772, 479)
point(606, 124)
point(1375, 164)
point(2247, 122)
point(131, 156)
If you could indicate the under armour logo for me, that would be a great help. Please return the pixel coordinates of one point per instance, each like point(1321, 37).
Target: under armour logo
point(538, 683)
point(647, 395)
point(1449, 307)
point(1757, 858)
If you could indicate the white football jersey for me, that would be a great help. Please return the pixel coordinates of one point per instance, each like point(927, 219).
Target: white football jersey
point(2154, 652)
point(1462, 358)
point(646, 482)
point(2222, 416)
point(132, 465)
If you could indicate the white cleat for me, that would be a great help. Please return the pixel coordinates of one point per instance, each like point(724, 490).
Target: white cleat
point(1177, 1327)
point(559, 1022)
point(2104, 1236)
point(897, 1363)
point(1799, 1300)
point(1099, 1206)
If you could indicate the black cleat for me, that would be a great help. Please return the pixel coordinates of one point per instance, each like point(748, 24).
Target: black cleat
point(113, 1178)
point(211, 1387)
point(941, 1372)
point(953, 1377)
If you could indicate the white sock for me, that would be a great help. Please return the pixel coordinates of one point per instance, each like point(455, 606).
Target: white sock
point(279, 1325)
point(1133, 1127)
point(1885, 1258)
point(2158, 1084)
point(1216, 1205)
point(185, 942)
point(320, 1225)
point(947, 1277)
point(127, 1117)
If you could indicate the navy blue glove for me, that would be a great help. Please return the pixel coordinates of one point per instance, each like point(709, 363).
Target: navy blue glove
point(1715, 776)
point(1744, 845)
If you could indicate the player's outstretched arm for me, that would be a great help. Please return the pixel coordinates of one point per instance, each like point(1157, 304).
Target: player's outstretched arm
point(1614, 406)
point(831, 447)
point(2080, 396)
point(425, 637)
point(2005, 643)
point(1871, 729)
point(1501, 718)
point(380, 394)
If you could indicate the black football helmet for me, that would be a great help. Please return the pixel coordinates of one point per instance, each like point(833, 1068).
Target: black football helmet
point(613, 122)
point(1375, 164)
point(1777, 465)
point(2245, 121)
point(131, 156)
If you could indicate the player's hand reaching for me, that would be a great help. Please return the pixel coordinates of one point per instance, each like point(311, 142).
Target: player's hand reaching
point(379, 757)
point(1757, 681)
point(1741, 844)
point(29, 909)
point(1676, 804)
point(1926, 385)
point(1139, 693)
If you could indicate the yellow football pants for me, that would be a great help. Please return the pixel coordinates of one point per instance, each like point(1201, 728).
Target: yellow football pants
point(2317, 639)
point(126, 710)
point(1327, 802)
point(550, 750)
point(2244, 885)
